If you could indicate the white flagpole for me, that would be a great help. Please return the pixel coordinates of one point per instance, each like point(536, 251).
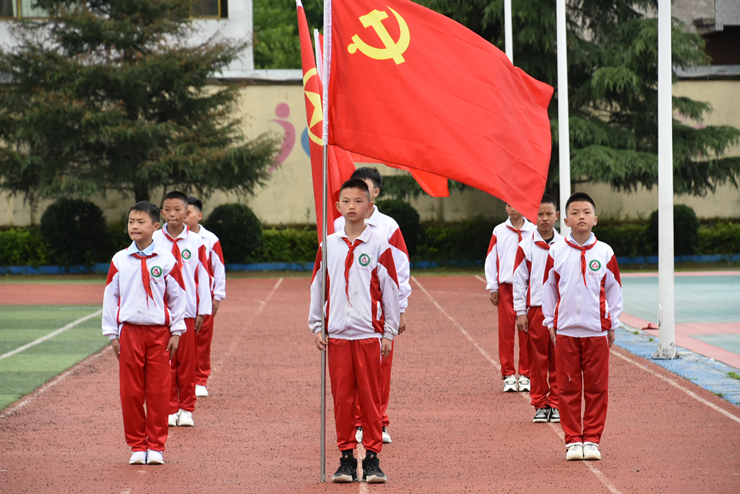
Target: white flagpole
point(325, 217)
point(563, 115)
point(319, 58)
point(666, 316)
point(508, 35)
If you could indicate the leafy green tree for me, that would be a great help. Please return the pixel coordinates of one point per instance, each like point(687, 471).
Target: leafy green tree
point(115, 95)
point(276, 43)
point(612, 89)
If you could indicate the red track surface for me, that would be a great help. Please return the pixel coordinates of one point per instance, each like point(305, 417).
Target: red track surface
point(453, 429)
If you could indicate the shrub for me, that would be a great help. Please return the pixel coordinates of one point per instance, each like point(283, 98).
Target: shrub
point(627, 240)
point(463, 241)
point(238, 229)
point(76, 231)
point(21, 247)
point(720, 238)
point(685, 230)
point(290, 245)
point(407, 219)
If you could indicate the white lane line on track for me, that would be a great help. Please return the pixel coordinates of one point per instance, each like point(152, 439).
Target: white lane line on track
point(53, 382)
point(52, 334)
point(671, 382)
point(602, 478)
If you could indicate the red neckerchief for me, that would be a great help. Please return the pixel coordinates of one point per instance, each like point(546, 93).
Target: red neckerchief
point(348, 261)
point(175, 248)
point(542, 244)
point(145, 277)
point(518, 232)
point(583, 256)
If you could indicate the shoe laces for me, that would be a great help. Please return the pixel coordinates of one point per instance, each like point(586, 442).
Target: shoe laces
point(347, 464)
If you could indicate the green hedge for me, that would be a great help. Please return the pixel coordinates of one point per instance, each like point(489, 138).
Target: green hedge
point(290, 245)
point(720, 238)
point(23, 247)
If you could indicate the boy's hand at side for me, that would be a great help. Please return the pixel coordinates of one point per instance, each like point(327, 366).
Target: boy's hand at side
point(116, 347)
point(494, 299)
point(553, 337)
point(402, 324)
point(173, 344)
point(610, 336)
point(319, 340)
point(386, 346)
point(216, 305)
point(199, 323)
point(522, 323)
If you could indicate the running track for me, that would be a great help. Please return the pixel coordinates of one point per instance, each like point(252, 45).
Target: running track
point(453, 430)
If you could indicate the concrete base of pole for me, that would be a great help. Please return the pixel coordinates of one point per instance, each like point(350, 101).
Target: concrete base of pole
point(668, 353)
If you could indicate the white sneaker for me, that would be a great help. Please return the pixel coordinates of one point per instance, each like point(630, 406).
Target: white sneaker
point(154, 457)
point(200, 391)
point(172, 419)
point(358, 435)
point(185, 418)
point(510, 384)
point(591, 451)
point(386, 436)
point(524, 383)
point(575, 452)
point(137, 458)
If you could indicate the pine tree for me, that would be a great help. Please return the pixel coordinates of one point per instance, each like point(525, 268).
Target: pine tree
point(115, 95)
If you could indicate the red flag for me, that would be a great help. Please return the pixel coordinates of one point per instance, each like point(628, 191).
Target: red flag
point(411, 87)
point(339, 163)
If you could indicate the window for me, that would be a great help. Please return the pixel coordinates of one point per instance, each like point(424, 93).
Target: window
point(210, 9)
point(20, 9)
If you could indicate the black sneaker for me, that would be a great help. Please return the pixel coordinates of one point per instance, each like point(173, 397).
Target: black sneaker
point(371, 472)
point(554, 415)
point(541, 416)
point(347, 471)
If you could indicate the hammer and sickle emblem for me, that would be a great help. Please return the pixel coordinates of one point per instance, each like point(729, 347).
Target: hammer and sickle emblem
point(315, 99)
point(393, 49)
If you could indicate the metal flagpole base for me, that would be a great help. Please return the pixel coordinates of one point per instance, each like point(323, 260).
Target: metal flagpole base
point(667, 353)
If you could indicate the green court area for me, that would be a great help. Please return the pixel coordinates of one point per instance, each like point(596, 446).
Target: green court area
point(26, 370)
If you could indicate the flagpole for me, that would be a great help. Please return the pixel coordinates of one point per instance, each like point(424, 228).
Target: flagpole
point(508, 35)
point(563, 125)
point(325, 217)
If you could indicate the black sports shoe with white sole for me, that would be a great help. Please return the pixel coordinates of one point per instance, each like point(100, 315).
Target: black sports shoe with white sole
point(541, 416)
point(371, 472)
point(347, 471)
point(554, 415)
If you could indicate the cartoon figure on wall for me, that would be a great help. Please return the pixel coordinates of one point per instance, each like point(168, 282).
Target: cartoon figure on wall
point(282, 111)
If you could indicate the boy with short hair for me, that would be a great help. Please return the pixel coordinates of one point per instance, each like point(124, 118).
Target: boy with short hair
point(385, 226)
point(188, 249)
point(529, 269)
point(217, 272)
point(582, 302)
point(143, 309)
point(500, 276)
point(363, 312)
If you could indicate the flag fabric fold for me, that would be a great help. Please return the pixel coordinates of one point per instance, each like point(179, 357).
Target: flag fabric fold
point(411, 87)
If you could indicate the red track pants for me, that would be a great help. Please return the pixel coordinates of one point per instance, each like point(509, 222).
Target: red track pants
point(203, 351)
point(182, 367)
point(355, 370)
point(541, 352)
point(385, 391)
point(145, 378)
point(506, 332)
point(587, 359)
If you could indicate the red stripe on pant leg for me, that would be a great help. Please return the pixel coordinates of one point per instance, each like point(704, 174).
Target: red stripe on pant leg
point(343, 391)
point(595, 387)
point(186, 368)
point(568, 355)
point(539, 342)
point(203, 351)
point(157, 387)
point(523, 351)
point(506, 329)
point(368, 367)
point(131, 374)
point(385, 390)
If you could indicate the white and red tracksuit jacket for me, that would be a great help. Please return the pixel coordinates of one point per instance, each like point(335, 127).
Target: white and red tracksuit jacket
point(502, 253)
point(190, 252)
point(582, 291)
point(362, 300)
point(529, 269)
point(216, 266)
point(148, 295)
point(386, 227)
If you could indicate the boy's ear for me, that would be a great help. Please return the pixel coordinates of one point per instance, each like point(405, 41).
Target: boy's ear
point(337, 206)
point(156, 225)
point(596, 220)
point(565, 218)
point(557, 215)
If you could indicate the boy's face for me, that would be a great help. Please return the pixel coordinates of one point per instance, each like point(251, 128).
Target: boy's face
point(546, 217)
point(513, 213)
point(174, 212)
point(194, 217)
point(140, 226)
point(353, 204)
point(374, 191)
point(581, 217)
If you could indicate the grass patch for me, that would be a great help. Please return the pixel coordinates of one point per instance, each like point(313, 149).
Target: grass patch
point(720, 395)
point(734, 375)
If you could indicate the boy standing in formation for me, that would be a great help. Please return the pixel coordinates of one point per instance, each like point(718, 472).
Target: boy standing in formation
point(362, 320)
point(217, 272)
point(582, 302)
point(188, 249)
point(529, 268)
point(500, 276)
point(143, 309)
point(385, 226)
